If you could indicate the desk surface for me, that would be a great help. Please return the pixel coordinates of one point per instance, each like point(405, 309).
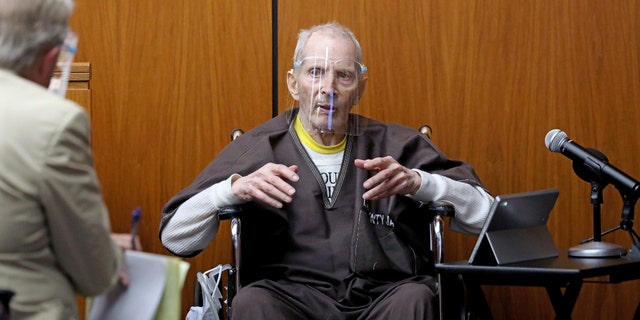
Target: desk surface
point(550, 270)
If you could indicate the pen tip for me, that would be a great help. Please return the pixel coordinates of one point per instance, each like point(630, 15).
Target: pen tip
point(136, 212)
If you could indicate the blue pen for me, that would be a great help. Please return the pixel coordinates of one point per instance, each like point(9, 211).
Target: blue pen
point(135, 220)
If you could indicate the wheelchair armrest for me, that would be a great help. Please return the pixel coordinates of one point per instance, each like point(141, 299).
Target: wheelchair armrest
point(229, 212)
point(440, 208)
point(5, 298)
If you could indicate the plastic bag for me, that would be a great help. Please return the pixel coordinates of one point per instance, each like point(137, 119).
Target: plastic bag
point(211, 296)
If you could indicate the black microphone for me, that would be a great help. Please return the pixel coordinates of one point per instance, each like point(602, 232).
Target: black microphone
point(585, 173)
point(556, 140)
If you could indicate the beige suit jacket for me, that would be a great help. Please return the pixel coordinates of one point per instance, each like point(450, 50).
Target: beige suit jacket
point(54, 226)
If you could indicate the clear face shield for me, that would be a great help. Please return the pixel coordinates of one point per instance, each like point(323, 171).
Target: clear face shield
point(60, 77)
point(328, 90)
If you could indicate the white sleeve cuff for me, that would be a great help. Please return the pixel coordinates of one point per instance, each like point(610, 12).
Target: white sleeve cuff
point(472, 203)
point(431, 188)
point(220, 193)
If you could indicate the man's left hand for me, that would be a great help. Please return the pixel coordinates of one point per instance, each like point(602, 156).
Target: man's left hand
point(391, 178)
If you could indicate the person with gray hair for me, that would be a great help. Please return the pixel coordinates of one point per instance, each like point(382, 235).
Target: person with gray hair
point(55, 237)
point(332, 226)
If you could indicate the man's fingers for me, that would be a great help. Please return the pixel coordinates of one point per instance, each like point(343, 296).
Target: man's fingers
point(382, 190)
point(269, 184)
point(390, 178)
point(268, 199)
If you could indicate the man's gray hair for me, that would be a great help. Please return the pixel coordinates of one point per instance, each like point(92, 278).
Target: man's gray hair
point(28, 28)
point(337, 29)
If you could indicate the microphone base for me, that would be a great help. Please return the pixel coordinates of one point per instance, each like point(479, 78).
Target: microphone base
point(597, 249)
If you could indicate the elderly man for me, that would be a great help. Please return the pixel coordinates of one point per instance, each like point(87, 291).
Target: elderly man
point(55, 234)
point(331, 221)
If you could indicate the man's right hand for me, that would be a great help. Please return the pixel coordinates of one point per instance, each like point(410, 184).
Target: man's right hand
point(268, 184)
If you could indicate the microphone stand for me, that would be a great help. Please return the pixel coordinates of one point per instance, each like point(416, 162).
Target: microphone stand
point(594, 247)
point(626, 223)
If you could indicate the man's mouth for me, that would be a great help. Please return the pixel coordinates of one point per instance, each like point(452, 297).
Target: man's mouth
point(326, 108)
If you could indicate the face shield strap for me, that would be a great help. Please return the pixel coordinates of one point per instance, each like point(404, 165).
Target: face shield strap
point(60, 77)
point(361, 67)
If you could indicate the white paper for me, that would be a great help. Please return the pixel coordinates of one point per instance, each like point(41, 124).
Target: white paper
point(147, 273)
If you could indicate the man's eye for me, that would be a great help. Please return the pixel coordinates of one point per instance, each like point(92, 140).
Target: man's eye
point(316, 72)
point(345, 75)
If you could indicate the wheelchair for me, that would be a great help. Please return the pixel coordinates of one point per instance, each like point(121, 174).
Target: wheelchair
point(5, 298)
point(438, 211)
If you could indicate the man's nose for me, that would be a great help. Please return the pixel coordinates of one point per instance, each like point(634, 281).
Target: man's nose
point(327, 84)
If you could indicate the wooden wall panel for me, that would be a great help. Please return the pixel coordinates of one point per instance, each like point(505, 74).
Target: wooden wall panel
point(170, 80)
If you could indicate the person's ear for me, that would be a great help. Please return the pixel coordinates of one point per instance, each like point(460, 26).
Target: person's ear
point(43, 69)
point(292, 85)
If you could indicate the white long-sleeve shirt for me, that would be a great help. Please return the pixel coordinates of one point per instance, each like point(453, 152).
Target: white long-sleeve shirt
point(196, 222)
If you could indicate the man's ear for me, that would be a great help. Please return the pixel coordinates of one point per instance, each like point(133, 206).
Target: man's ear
point(43, 69)
point(292, 85)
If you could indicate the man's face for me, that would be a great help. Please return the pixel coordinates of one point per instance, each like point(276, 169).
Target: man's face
point(326, 82)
